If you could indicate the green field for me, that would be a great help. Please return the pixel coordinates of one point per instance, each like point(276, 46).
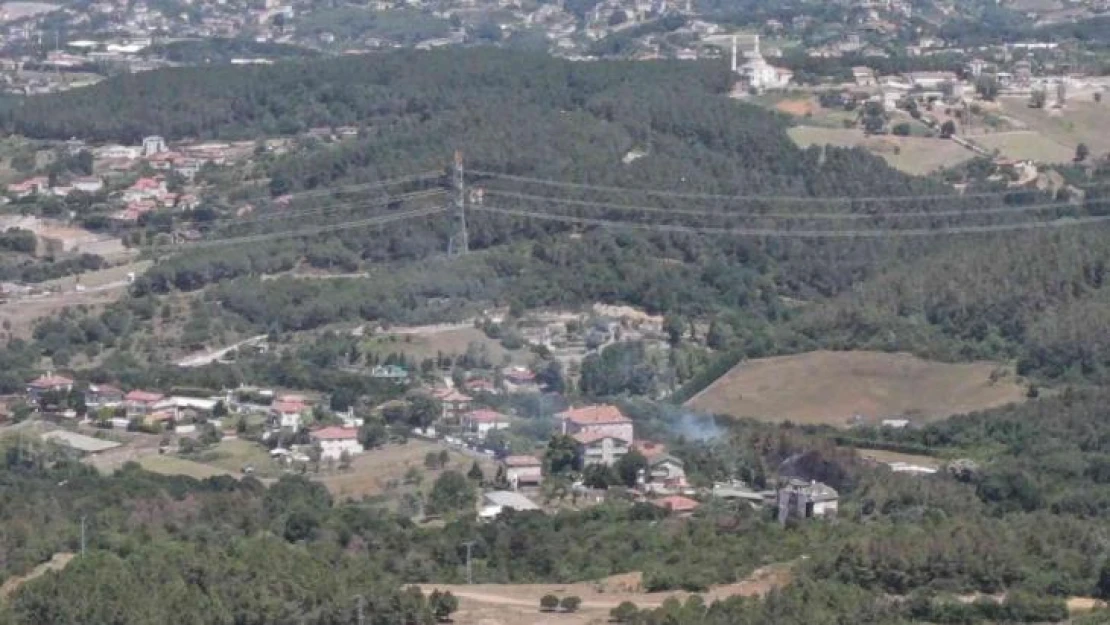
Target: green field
point(913, 155)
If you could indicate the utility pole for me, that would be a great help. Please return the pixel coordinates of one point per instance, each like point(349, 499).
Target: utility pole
point(83, 517)
point(460, 242)
point(361, 609)
point(469, 575)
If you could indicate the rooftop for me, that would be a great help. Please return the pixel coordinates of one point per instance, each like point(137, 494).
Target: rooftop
point(285, 406)
point(589, 438)
point(814, 490)
point(50, 381)
point(591, 415)
point(145, 397)
point(522, 461)
point(483, 415)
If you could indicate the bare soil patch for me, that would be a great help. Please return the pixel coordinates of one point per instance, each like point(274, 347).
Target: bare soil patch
point(56, 563)
point(832, 387)
point(798, 108)
point(518, 604)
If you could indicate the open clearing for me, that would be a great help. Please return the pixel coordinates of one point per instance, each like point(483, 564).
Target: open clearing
point(450, 341)
point(518, 604)
point(886, 457)
point(371, 472)
point(1081, 121)
point(913, 155)
point(174, 465)
point(832, 387)
point(1022, 145)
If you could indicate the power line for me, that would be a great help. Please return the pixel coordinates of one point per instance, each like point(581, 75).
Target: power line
point(319, 210)
point(364, 186)
point(799, 216)
point(802, 234)
point(753, 198)
point(371, 221)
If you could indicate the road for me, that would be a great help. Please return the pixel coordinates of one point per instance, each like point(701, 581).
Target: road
point(207, 358)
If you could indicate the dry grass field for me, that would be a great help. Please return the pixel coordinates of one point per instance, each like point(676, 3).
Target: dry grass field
point(1081, 121)
point(371, 472)
point(1024, 145)
point(881, 455)
point(913, 155)
point(832, 387)
point(451, 341)
point(518, 604)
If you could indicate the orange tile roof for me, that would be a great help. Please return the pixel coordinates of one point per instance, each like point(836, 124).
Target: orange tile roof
point(522, 461)
point(486, 416)
point(592, 415)
point(143, 397)
point(50, 381)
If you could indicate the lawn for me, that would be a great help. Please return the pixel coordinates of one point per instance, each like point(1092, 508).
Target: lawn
point(453, 341)
point(231, 455)
point(374, 472)
point(1081, 121)
point(1024, 145)
point(175, 465)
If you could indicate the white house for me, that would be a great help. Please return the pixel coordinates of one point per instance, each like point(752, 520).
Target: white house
point(286, 413)
point(601, 448)
point(804, 500)
point(483, 421)
point(334, 441)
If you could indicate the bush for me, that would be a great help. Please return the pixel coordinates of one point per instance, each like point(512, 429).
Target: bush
point(624, 613)
point(570, 603)
point(548, 603)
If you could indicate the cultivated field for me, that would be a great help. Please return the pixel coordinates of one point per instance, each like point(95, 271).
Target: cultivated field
point(518, 604)
point(913, 155)
point(1081, 121)
point(832, 387)
point(1021, 145)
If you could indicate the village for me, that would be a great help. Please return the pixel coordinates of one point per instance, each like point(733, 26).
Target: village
point(571, 453)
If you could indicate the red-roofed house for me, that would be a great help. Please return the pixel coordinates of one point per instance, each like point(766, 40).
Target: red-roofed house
point(603, 418)
point(481, 385)
point(523, 470)
point(601, 447)
point(483, 421)
point(29, 186)
point(334, 441)
point(286, 412)
point(454, 403)
point(677, 504)
point(48, 383)
point(139, 402)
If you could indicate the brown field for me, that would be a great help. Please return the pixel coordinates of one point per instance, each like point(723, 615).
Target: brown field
point(1081, 121)
point(831, 387)
point(913, 155)
point(371, 472)
point(174, 465)
point(799, 107)
point(518, 604)
point(451, 340)
point(24, 313)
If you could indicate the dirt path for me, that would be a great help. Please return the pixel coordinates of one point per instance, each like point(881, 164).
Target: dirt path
point(56, 563)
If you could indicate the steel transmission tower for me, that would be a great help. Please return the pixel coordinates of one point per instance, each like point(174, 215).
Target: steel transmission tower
point(460, 241)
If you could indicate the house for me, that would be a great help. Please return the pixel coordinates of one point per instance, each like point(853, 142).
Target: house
point(805, 500)
point(601, 448)
point(664, 470)
point(597, 419)
point(677, 504)
point(153, 145)
point(30, 186)
point(519, 376)
point(390, 372)
point(185, 407)
point(523, 470)
point(864, 77)
point(103, 395)
point(495, 502)
point(286, 412)
point(140, 402)
point(931, 80)
point(46, 384)
point(454, 403)
point(481, 385)
point(335, 441)
point(483, 421)
point(88, 184)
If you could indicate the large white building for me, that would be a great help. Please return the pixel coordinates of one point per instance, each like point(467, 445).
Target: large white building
point(756, 71)
point(334, 441)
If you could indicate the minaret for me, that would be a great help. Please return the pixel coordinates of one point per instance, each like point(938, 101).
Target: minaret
point(734, 54)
